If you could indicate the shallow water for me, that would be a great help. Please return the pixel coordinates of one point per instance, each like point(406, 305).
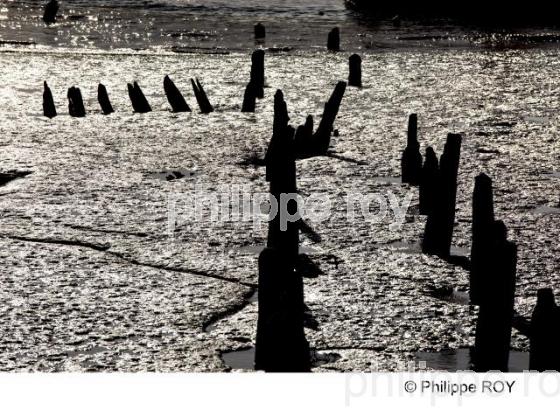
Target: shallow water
point(93, 277)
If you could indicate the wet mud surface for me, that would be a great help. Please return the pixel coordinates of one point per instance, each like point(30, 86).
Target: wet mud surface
point(94, 279)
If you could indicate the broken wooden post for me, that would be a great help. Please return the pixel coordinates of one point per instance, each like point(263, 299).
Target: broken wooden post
point(257, 72)
point(493, 327)
point(322, 137)
point(76, 103)
point(411, 161)
point(544, 333)
point(283, 231)
point(49, 109)
point(428, 182)
point(174, 96)
point(438, 232)
point(138, 99)
point(201, 97)
point(260, 31)
point(249, 98)
point(51, 9)
point(103, 98)
point(281, 345)
point(333, 42)
point(355, 76)
point(482, 226)
point(303, 140)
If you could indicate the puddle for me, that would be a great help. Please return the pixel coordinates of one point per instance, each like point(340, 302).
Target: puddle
point(388, 180)
point(416, 247)
point(546, 210)
point(460, 359)
point(553, 174)
point(172, 175)
point(257, 249)
point(451, 295)
point(243, 359)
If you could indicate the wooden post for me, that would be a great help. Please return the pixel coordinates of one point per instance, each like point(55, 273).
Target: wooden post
point(49, 109)
point(439, 226)
point(355, 76)
point(174, 96)
point(260, 31)
point(201, 98)
point(482, 226)
point(411, 161)
point(257, 72)
point(493, 327)
point(428, 182)
point(545, 333)
point(138, 99)
point(333, 42)
point(104, 101)
point(281, 345)
point(76, 103)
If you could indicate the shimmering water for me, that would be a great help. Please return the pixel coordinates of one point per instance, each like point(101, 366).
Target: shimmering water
point(92, 278)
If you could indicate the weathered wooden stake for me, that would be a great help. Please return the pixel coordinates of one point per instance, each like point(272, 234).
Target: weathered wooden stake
point(201, 97)
point(260, 31)
point(281, 345)
point(333, 42)
point(104, 101)
point(545, 333)
point(493, 328)
point(482, 226)
point(174, 96)
point(257, 72)
point(49, 109)
point(355, 76)
point(411, 161)
point(428, 182)
point(138, 99)
point(439, 226)
point(76, 103)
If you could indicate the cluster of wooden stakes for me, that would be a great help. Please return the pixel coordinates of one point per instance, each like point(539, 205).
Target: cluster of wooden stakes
point(281, 345)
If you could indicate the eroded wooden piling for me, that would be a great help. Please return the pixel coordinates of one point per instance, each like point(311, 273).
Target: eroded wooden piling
point(257, 72)
point(49, 109)
point(411, 161)
point(201, 97)
point(281, 345)
point(174, 96)
point(544, 333)
point(428, 182)
point(103, 99)
point(438, 232)
point(138, 99)
point(493, 327)
point(482, 226)
point(76, 103)
point(355, 75)
point(333, 41)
